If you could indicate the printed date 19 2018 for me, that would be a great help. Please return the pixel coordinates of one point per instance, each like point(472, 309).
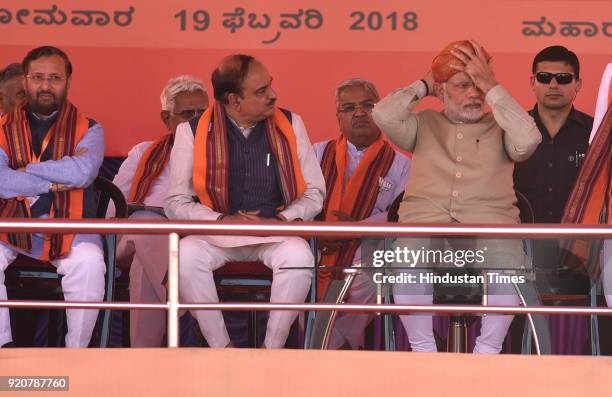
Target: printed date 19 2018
point(39, 383)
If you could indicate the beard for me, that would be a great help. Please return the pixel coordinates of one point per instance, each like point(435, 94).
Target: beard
point(46, 102)
point(469, 113)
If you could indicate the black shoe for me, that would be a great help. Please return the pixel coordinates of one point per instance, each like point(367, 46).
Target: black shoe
point(8, 345)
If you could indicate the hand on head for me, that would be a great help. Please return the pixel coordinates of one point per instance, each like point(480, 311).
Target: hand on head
point(476, 64)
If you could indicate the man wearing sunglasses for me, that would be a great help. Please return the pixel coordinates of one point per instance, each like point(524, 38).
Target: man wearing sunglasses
point(548, 176)
point(144, 179)
point(354, 165)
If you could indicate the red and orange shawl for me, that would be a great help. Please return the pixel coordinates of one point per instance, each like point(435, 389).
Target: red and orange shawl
point(211, 158)
point(62, 139)
point(151, 164)
point(355, 196)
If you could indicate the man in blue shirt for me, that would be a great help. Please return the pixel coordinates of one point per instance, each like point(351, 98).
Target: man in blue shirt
point(50, 154)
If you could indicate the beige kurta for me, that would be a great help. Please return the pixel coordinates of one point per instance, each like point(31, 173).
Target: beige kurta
point(460, 171)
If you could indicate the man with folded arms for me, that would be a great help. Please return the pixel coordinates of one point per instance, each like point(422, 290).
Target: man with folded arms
point(363, 176)
point(144, 179)
point(462, 173)
point(50, 154)
point(244, 160)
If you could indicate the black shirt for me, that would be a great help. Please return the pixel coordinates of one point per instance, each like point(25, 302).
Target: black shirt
point(548, 176)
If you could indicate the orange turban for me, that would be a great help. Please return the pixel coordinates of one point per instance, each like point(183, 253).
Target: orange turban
point(440, 66)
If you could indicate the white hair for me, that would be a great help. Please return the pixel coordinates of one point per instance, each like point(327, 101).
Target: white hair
point(357, 82)
point(177, 85)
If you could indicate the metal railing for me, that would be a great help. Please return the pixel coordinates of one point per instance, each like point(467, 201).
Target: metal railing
point(304, 229)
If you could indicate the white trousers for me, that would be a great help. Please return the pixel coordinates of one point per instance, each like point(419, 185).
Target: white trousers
point(288, 259)
point(419, 327)
point(498, 254)
point(83, 280)
point(148, 266)
point(350, 327)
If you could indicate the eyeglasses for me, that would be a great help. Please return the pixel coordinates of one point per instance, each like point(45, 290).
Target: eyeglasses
point(39, 78)
point(190, 114)
point(562, 78)
point(352, 108)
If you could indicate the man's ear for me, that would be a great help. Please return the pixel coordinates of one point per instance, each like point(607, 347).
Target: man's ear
point(233, 100)
point(578, 85)
point(165, 118)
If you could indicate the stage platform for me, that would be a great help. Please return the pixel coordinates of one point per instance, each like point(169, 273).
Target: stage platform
point(249, 372)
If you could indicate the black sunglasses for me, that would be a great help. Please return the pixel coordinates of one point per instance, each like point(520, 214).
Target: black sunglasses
point(189, 114)
point(562, 78)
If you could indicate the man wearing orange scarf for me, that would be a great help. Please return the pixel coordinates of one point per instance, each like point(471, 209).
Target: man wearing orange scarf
point(462, 165)
point(144, 179)
point(50, 155)
point(591, 199)
point(363, 176)
point(244, 160)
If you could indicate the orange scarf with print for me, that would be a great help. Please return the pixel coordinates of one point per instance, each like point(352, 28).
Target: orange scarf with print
point(355, 197)
point(61, 140)
point(211, 158)
point(591, 199)
point(151, 164)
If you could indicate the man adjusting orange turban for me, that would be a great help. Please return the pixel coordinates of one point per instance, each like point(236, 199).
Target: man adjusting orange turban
point(440, 66)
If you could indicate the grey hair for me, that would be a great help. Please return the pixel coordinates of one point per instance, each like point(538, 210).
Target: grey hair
point(357, 82)
point(175, 86)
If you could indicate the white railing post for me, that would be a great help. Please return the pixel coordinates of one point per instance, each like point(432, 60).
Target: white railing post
point(173, 290)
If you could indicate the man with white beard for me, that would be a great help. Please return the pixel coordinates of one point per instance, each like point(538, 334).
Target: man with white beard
point(462, 165)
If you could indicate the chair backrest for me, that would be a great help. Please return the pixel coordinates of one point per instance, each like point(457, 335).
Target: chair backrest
point(109, 191)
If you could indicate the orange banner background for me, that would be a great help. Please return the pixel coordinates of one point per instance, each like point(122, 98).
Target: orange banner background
point(119, 71)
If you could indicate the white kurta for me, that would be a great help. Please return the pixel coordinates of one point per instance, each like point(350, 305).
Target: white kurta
point(180, 203)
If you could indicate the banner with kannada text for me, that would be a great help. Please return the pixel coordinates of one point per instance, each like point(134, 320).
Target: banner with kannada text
point(124, 51)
